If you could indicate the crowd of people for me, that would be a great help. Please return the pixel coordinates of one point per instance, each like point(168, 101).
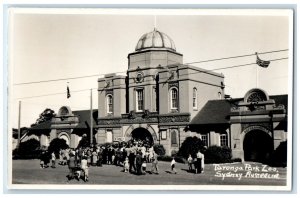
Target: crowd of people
point(133, 157)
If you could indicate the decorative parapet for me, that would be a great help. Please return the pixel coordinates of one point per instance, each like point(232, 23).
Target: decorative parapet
point(65, 120)
point(174, 117)
point(279, 107)
point(145, 117)
point(109, 121)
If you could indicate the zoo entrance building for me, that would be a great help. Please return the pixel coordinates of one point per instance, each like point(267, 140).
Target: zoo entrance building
point(164, 101)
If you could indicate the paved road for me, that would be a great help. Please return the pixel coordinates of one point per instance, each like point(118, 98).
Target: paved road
point(29, 172)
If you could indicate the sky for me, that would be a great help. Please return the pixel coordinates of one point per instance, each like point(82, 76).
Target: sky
point(44, 45)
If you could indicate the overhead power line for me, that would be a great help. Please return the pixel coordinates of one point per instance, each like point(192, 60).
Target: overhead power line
point(61, 79)
point(228, 67)
point(204, 61)
point(241, 56)
point(60, 93)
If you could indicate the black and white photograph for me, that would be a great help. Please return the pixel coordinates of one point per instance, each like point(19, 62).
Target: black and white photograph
point(150, 99)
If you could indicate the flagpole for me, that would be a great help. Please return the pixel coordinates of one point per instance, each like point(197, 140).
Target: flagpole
point(256, 76)
point(19, 125)
point(91, 116)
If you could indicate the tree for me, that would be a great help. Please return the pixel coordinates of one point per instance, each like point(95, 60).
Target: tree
point(191, 145)
point(27, 150)
point(85, 141)
point(57, 144)
point(46, 115)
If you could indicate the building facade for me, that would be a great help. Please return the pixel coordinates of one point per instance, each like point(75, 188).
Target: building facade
point(157, 98)
point(253, 126)
point(163, 101)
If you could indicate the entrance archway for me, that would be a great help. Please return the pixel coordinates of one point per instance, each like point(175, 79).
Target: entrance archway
point(142, 134)
point(257, 146)
point(66, 138)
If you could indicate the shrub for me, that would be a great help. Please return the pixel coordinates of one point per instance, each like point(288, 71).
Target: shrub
point(279, 156)
point(159, 149)
point(191, 145)
point(29, 149)
point(217, 154)
point(57, 144)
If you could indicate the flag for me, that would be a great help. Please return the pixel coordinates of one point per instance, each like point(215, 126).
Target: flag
point(261, 63)
point(68, 92)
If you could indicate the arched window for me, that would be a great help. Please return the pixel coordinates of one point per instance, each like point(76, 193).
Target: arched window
point(195, 100)
point(109, 136)
point(174, 98)
point(139, 99)
point(173, 138)
point(109, 103)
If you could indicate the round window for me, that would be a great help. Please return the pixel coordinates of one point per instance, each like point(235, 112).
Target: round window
point(139, 77)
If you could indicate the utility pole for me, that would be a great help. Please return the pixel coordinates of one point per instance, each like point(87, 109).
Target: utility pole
point(91, 114)
point(19, 125)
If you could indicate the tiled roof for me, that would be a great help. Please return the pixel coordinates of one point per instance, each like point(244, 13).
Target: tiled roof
point(216, 111)
point(213, 112)
point(83, 116)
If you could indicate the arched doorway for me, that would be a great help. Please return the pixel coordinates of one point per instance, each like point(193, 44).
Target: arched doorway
point(142, 134)
point(257, 146)
point(65, 137)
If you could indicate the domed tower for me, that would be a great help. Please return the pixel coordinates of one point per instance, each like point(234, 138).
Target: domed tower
point(154, 50)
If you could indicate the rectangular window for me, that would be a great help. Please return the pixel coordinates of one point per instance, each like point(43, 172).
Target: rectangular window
point(140, 99)
point(223, 140)
point(195, 98)
point(163, 134)
point(204, 139)
point(109, 137)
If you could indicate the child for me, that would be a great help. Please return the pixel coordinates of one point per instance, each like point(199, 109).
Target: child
point(126, 165)
point(190, 162)
point(42, 160)
point(144, 167)
point(53, 159)
point(173, 162)
point(85, 168)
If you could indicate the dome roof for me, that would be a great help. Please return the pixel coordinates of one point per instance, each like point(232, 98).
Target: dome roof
point(155, 39)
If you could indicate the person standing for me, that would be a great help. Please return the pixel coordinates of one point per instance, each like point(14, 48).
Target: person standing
point(144, 166)
point(109, 155)
point(138, 162)
point(85, 168)
point(99, 163)
point(154, 163)
point(173, 169)
point(200, 162)
point(131, 161)
point(190, 162)
point(72, 165)
point(42, 159)
point(89, 156)
point(53, 159)
point(94, 158)
point(126, 165)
